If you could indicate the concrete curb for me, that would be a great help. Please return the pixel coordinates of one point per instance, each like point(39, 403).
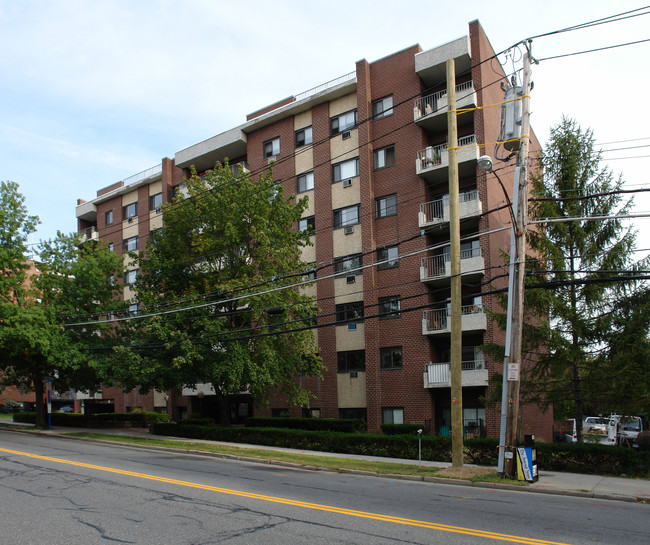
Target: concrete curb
point(293, 465)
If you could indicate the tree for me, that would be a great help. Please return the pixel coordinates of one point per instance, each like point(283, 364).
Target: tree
point(583, 257)
point(67, 280)
point(216, 296)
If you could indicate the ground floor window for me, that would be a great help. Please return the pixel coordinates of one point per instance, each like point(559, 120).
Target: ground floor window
point(392, 415)
point(359, 413)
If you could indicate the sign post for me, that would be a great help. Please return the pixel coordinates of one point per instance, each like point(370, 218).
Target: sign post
point(48, 386)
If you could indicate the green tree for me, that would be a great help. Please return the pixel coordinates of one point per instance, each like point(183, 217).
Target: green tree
point(583, 256)
point(216, 295)
point(67, 280)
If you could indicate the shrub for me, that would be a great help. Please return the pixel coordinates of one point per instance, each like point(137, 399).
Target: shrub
point(130, 417)
point(400, 429)
point(197, 421)
point(26, 418)
point(313, 424)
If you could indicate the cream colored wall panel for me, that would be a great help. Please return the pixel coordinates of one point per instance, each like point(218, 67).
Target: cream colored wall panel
point(302, 120)
point(343, 104)
point(310, 210)
point(347, 244)
point(342, 149)
point(308, 253)
point(351, 390)
point(345, 292)
point(304, 159)
point(155, 220)
point(128, 198)
point(350, 339)
point(130, 229)
point(346, 196)
point(309, 291)
point(155, 187)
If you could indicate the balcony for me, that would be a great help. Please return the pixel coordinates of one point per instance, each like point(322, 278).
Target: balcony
point(473, 373)
point(437, 269)
point(432, 163)
point(430, 112)
point(438, 321)
point(436, 213)
point(88, 234)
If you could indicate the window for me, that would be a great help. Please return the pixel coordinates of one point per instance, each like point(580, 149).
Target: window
point(307, 224)
point(310, 272)
point(131, 276)
point(386, 206)
point(108, 218)
point(130, 244)
point(392, 415)
point(343, 122)
point(349, 312)
point(310, 413)
point(110, 246)
point(305, 182)
point(388, 258)
point(347, 216)
point(280, 413)
point(382, 107)
point(384, 157)
point(345, 170)
point(304, 137)
point(130, 210)
point(389, 307)
point(349, 265)
point(352, 360)
point(272, 148)
point(390, 358)
point(133, 309)
point(155, 201)
point(360, 413)
point(155, 234)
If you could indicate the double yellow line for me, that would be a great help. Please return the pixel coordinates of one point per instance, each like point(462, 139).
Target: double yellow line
point(294, 503)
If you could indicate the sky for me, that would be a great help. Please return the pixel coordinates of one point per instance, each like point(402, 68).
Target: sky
point(94, 91)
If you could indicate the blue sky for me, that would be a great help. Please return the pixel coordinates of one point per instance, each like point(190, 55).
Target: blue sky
point(95, 91)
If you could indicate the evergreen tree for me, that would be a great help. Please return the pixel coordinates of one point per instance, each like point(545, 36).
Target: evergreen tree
point(216, 295)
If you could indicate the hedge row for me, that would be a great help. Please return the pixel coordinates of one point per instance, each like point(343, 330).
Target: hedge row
point(574, 458)
point(312, 424)
point(77, 420)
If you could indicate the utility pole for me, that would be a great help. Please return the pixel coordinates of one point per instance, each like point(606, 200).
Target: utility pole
point(454, 239)
point(514, 363)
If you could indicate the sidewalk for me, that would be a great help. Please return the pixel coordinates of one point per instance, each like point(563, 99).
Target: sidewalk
point(550, 482)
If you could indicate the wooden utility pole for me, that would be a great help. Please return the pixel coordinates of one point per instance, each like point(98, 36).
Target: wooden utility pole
point(454, 236)
point(514, 367)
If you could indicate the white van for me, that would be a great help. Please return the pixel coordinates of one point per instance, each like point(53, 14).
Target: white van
point(627, 429)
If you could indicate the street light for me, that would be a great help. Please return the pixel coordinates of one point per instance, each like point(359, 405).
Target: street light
point(485, 164)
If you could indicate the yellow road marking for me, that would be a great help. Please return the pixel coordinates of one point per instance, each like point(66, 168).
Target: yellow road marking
point(294, 503)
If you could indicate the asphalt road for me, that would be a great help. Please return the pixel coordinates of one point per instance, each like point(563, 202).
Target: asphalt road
point(60, 491)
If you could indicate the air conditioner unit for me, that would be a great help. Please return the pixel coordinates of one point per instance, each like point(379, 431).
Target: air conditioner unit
point(354, 374)
point(350, 279)
point(130, 220)
point(345, 135)
point(347, 183)
point(352, 327)
point(158, 210)
point(348, 230)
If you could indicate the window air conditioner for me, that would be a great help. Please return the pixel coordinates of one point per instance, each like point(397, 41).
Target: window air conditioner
point(348, 230)
point(130, 220)
point(351, 279)
point(354, 374)
point(345, 135)
point(347, 183)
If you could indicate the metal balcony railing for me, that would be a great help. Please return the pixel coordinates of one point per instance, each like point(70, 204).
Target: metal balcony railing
point(429, 104)
point(436, 265)
point(438, 210)
point(439, 319)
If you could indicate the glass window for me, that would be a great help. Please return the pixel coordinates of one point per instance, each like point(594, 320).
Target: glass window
point(133, 309)
point(347, 216)
point(349, 312)
point(307, 224)
point(108, 218)
point(130, 210)
point(272, 147)
point(382, 107)
point(386, 206)
point(352, 360)
point(130, 244)
point(305, 182)
point(392, 415)
point(110, 246)
point(360, 413)
point(304, 137)
point(131, 276)
point(387, 258)
point(389, 307)
point(155, 201)
point(348, 266)
point(391, 358)
point(280, 413)
point(384, 157)
point(344, 122)
point(345, 170)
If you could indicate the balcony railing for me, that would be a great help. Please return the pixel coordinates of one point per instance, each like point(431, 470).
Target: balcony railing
point(437, 211)
point(433, 161)
point(89, 233)
point(430, 104)
point(439, 320)
point(473, 372)
point(440, 265)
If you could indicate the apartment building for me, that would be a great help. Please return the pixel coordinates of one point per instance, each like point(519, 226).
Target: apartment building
point(369, 150)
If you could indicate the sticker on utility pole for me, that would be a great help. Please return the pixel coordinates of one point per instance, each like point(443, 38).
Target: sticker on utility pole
point(513, 371)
